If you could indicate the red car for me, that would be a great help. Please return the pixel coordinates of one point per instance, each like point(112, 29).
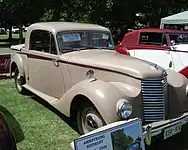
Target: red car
point(165, 47)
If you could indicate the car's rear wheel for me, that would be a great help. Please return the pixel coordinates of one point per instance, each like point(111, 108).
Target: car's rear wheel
point(7, 140)
point(19, 82)
point(89, 119)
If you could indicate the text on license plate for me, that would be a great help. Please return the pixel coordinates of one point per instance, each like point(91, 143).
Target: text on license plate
point(172, 131)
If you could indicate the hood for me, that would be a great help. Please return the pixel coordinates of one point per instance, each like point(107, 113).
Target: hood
point(182, 47)
point(112, 61)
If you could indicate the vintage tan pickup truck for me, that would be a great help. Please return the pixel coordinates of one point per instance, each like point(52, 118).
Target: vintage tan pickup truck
point(75, 68)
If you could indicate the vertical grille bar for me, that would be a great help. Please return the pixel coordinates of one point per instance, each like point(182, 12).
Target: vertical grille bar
point(154, 95)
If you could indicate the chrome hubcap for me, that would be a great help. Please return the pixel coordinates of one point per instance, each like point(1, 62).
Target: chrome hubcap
point(19, 82)
point(91, 121)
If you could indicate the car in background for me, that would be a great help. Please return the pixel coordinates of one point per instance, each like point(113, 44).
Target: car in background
point(7, 139)
point(15, 29)
point(2, 31)
point(166, 47)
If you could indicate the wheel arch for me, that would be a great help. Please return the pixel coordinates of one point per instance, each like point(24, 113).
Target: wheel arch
point(77, 103)
point(16, 61)
point(13, 67)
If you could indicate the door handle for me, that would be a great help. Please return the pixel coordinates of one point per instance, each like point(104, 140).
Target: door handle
point(167, 52)
point(56, 62)
point(170, 64)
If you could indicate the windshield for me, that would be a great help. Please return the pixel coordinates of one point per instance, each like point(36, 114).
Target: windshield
point(80, 40)
point(179, 38)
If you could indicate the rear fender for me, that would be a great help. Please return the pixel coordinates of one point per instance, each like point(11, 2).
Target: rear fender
point(16, 59)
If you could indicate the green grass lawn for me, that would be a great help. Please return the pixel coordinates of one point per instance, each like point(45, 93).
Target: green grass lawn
point(42, 128)
point(14, 36)
point(4, 39)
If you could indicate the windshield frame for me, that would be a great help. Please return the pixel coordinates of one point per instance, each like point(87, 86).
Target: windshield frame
point(94, 31)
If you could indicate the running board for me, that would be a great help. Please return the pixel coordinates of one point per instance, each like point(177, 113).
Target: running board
point(51, 100)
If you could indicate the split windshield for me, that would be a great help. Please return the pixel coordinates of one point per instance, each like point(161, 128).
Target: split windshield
point(81, 40)
point(179, 38)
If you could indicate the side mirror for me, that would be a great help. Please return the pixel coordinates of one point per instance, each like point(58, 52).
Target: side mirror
point(172, 42)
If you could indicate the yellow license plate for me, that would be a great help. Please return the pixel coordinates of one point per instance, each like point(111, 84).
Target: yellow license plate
point(168, 132)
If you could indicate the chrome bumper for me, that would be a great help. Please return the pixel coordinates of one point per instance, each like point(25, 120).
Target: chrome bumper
point(158, 127)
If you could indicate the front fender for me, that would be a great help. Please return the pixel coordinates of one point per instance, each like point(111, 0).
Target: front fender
point(131, 92)
point(17, 59)
point(103, 95)
point(178, 100)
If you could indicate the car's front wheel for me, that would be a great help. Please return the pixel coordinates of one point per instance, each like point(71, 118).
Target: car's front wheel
point(89, 119)
point(19, 82)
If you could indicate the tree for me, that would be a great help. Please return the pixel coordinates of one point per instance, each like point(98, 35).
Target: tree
point(120, 140)
point(20, 12)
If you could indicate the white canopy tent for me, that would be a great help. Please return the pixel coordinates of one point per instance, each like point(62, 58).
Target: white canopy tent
point(180, 18)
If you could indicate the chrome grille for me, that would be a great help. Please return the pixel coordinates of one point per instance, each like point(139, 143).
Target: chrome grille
point(154, 95)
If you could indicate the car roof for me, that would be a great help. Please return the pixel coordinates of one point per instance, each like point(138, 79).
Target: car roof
point(159, 30)
point(132, 38)
point(65, 26)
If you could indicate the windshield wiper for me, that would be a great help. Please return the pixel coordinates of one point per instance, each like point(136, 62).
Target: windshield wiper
point(91, 47)
point(69, 49)
point(107, 48)
point(88, 47)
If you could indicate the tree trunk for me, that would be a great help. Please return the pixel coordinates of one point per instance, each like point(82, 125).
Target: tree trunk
point(56, 16)
point(10, 34)
point(20, 34)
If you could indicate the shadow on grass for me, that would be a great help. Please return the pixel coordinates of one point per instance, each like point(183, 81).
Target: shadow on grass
point(67, 120)
point(4, 77)
point(13, 124)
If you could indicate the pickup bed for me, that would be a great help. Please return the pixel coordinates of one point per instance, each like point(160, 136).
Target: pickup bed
point(4, 63)
point(5, 58)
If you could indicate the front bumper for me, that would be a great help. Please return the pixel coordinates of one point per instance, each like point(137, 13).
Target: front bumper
point(158, 127)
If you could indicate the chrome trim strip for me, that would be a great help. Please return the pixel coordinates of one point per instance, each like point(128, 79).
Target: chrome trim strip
point(158, 127)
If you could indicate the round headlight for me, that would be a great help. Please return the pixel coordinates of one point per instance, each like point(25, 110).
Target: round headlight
point(124, 109)
point(187, 90)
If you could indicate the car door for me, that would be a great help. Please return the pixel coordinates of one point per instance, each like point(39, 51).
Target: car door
point(44, 71)
point(179, 52)
point(154, 49)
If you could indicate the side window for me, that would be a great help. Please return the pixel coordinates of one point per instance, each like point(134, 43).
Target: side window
point(151, 38)
point(40, 41)
point(53, 49)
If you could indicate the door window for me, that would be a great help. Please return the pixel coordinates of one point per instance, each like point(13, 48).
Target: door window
point(43, 41)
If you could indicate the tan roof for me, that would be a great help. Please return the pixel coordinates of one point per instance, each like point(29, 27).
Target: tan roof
point(64, 26)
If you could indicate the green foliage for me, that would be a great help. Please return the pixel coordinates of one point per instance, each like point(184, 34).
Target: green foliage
point(114, 14)
point(42, 128)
